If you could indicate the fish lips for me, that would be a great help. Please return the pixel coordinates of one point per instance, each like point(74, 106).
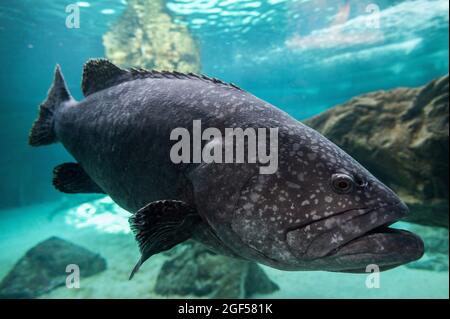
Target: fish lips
point(385, 247)
point(351, 240)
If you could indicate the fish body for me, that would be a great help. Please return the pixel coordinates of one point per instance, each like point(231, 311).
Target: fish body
point(320, 210)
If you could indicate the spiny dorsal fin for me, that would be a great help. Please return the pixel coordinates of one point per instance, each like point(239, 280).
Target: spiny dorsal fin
point(100, 74)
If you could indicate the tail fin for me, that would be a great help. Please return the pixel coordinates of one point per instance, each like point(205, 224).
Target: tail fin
point(42, 132)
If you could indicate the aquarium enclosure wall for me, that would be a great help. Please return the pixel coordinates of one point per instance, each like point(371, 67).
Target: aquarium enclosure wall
point(371, 76)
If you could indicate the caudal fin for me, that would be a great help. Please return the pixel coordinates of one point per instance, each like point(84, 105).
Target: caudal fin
point(42, 132)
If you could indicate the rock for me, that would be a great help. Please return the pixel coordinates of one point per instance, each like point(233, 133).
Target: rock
point(202, 273)
point(146, 36)
point(436, 248)
point(402, 137)
point(43, 268)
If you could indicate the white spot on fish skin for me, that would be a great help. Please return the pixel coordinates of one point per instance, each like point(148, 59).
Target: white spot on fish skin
point(292, 185)
point(328, 199)
point(336, 238)
point(305, 202)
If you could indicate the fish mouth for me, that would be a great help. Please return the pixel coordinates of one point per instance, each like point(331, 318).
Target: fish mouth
point(352, 240)
point(384, 247)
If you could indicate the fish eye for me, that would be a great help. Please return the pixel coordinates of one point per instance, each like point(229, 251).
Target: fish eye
point(342, 183)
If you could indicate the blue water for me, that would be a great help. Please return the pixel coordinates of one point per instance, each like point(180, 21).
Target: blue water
point(303, 56)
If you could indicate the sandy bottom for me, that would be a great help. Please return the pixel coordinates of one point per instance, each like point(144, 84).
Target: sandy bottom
point(21, 229)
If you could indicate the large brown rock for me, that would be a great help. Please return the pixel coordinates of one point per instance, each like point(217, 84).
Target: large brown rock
point(402, 137)
point(146, 36)
point(196, 271)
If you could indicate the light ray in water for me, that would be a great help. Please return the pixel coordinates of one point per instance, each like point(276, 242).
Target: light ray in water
point(102, 214)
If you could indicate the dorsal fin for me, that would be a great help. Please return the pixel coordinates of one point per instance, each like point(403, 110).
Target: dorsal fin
point(100, 74)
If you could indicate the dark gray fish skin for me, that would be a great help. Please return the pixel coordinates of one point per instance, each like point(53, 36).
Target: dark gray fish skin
point(291, 220)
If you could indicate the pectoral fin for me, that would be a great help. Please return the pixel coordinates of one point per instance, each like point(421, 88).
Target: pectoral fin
point(72, 179)
point(161, 225)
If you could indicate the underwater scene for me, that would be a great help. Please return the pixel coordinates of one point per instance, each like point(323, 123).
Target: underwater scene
point(115, 115)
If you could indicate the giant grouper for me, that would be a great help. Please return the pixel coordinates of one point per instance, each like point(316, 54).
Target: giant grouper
point(320, 210)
